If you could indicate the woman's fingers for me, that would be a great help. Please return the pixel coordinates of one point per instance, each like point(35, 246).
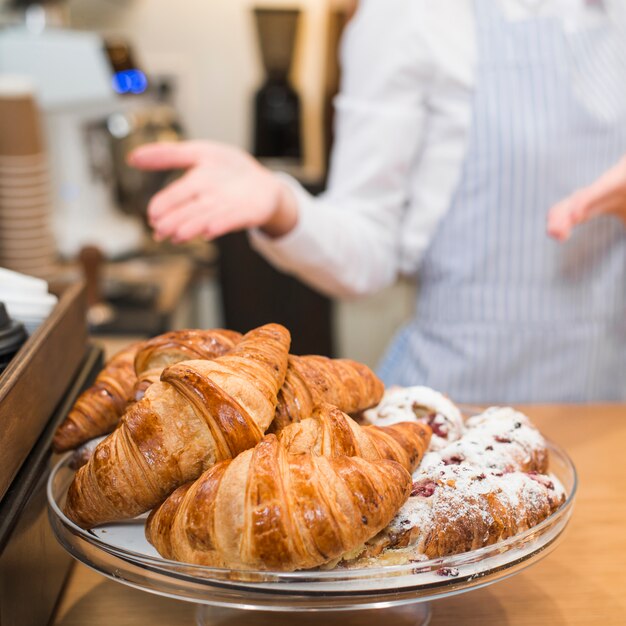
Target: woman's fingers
point(607, 195)
point(559, 223)
point(193, 227)
point(168, 155)
point(168, 225)
point(176, 193)
point(224, 221)
point(210, 224)
point(225, 189)
point(568, 213)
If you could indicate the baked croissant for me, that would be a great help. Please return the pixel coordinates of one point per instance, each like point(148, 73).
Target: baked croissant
point(330, 432)
point(157, 353)
point(311, 380)
point(98, 409)
point(130, 373)
point(200, 413)
point(271, 510)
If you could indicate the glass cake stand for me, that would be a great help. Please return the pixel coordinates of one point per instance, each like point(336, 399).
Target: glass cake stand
point(343, 596)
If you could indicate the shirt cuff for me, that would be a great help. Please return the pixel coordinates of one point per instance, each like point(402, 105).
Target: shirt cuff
point(294, 248)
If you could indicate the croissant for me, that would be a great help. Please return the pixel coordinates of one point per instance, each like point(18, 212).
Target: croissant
point(271, 510)
point(200, 413)
point(330, 432)
point(311, 380)
point(98, 409)
point(179, 345)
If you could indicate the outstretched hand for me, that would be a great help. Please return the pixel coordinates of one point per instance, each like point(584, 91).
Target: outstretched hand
point(607, 195)
point(223, 190)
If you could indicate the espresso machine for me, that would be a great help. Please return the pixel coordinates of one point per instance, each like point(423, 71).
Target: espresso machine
point(74, 86)
point(96, 105)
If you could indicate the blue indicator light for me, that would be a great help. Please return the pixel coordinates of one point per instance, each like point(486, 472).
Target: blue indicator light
point(130, 81)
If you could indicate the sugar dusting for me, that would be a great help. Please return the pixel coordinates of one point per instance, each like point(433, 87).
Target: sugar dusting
point(422, 404)
point(499, 439)
point(487, 485)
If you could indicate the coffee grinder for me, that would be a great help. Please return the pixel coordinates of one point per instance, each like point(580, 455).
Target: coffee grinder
point(75, 90)
point(277, 110)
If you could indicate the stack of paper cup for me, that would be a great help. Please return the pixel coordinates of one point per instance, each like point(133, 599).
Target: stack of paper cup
point(26, 241)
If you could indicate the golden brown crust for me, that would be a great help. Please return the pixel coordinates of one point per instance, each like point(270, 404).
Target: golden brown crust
point(232, 427)
point(330, 432)
point(271, 510)
point(311, 380)
point(98, 409)
point(202, 412)
point(157, 353)
point(127, 376)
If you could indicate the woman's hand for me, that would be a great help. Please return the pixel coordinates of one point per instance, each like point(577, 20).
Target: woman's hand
point(607, 195)
point(224, 190)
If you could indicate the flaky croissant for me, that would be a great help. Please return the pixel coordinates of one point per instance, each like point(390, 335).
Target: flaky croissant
point(311, 380)
point(271, 510)
point(157, 353)
point(200, 413)
point(330, 432)
point(98, 409)
point(129, 373)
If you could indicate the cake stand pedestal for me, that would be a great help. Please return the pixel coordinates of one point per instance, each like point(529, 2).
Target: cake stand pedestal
point(407, 615)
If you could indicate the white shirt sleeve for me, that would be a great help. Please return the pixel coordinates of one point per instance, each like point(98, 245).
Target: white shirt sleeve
point(347, 242)
point(403, 121)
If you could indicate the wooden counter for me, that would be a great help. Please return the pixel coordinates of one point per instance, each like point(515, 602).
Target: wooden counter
point(583, 582)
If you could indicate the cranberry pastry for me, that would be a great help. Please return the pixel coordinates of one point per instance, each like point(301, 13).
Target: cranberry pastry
point(422, 404)
point(500, 439)
point(485, 487)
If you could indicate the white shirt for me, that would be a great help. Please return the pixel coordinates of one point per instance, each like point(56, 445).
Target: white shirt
point(401, 128)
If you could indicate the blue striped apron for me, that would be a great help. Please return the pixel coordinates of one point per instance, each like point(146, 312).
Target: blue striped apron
point(504, 314)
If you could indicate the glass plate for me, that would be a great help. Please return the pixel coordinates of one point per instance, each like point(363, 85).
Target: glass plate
point(121, 552)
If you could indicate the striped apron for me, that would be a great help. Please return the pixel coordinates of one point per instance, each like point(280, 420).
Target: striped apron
point(504, 314)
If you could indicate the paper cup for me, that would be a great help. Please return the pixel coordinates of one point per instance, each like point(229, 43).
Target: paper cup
point(25, 235)
point(20, 126)
point(9, 181)
point(20, 174)
point(24, 202)
point(25, 189)
point(28, 248)
point(26, 163)
point(13, 228)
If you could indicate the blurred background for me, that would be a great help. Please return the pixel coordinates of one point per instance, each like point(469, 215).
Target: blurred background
point(85, 81)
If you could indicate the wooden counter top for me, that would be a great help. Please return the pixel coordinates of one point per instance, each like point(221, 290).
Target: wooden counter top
point(582, 582)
